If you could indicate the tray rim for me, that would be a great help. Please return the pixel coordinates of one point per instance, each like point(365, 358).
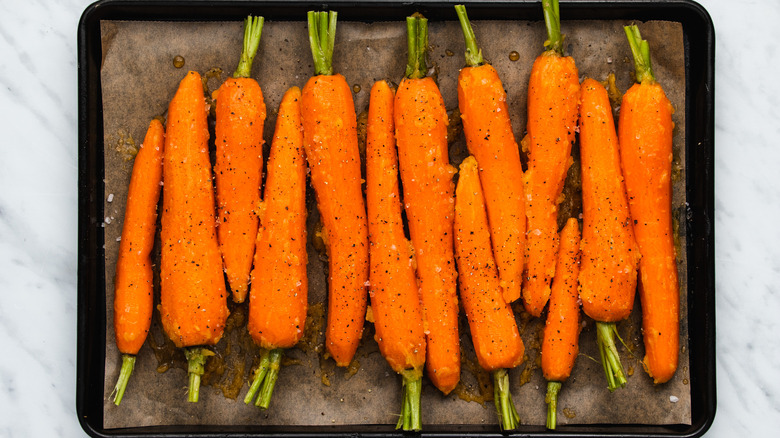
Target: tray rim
point(700, 81)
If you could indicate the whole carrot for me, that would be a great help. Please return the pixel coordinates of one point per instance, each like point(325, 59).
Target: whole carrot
point(497, 341)
point(553, 100)
point(239, 163)
point(426, 174)
point(330, 140)
point(609, 253)
point(646, 151)
point(489, 136)
point(395, 299)
point(560, 345)
point(278, 299)
point(193, 299)
point(133, 281)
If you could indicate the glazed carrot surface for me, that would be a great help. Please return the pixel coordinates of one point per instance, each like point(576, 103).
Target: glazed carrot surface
point(485, 114)
point(646, 129)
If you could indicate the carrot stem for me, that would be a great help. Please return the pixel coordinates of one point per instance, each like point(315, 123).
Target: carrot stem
point(552, 403)
point(253, 28)
point(552, 20)
point(260, 372)
point(473, 52)
point(128, 363)
point(410, 409)
point(507, 413)
point(196, 361)
point(322, 38)
point(274, 362)
point(417, 43)
point(610, 359)
point(641, 51)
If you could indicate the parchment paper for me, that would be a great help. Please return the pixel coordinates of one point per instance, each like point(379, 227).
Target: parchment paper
point(138, 80)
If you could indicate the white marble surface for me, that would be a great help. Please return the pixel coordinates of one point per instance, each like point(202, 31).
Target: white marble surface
point(38, 217)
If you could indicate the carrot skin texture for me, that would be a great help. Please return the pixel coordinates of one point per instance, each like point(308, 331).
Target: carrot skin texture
point(330, 141)
point(553, 103)
point(646, 152)
point(193, 299)
point(494, 331)
point(489, 136)
point(426, 174)
point(240, 116)
point(133, 289)
point(395, 297)
point(610, 255)
point(560, 345)
point(278, 298)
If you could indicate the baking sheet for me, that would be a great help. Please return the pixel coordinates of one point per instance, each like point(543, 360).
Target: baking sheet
point(138, 79)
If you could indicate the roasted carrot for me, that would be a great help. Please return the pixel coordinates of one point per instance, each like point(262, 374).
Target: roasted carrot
point(426, 174)
point(193, 299)
point(497, 341)
point(330, 140)
point(646, 152)
point(240, 115)
point(560, 344)
point(610, 255)
point(395, 299)
point(553, 99)
point(278, 299)
point(133, 281)
point(489, 136)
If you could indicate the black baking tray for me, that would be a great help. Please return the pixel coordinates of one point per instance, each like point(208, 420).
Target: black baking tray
point(699, 41)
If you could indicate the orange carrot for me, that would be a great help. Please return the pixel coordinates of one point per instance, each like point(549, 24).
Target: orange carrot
point(133, 281)
point(646, 151)
point(609, 253)
point(395, 299)
point(330, 139)
point(239, 163)
point(193, 299)
point(278, 299)
point(553, 99)
point(488, 130)
point(497, 341)
point(421, 133)
point(560, 345)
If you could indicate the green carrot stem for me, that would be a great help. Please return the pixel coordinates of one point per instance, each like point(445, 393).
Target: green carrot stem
point(610, 359)
point(196, 361)
point(260, 372)
point(552, 403)
point(410, 418)
point(322, 38)
point(502, 396)
point(274, 362)
point(253, 28)
point(473, 52)
point(417, 43)
point(640, 49)
point(128, 363)
point(552, 21)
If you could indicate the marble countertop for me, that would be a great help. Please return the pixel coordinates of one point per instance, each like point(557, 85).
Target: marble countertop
point(38, 217)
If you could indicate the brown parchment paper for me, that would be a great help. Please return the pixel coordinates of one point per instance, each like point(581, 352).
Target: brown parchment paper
point(138, 79)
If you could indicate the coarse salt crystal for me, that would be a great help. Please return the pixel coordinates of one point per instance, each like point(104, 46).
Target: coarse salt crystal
point(673, 398)
point(110, 197)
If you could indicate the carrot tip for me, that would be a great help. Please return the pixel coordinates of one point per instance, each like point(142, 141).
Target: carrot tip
point(196, 361)
point(552, 403)
point(508, 417)
point(128, 363)
point(610, 359)
point(410, 419)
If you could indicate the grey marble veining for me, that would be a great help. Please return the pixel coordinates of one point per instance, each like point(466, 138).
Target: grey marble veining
point(38, 216)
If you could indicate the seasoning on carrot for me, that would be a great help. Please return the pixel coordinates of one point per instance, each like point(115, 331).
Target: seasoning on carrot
point(278, 299)
point(133, 281)
point(238, 168)
point(560, 345)
point(193, 298)
point(330, 140)
point(553, 100)
point(646, 152)
point(497, 341)
point(395, 298)
point(426, 175)
point(610, 255)
point(489, 136)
